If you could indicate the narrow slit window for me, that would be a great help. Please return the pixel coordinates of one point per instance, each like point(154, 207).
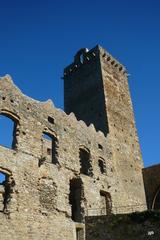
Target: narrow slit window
point(102, 165)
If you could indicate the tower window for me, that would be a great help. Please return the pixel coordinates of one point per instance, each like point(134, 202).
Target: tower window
point(102, 165)
point(85, 162)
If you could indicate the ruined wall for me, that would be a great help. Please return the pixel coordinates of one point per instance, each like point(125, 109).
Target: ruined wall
point(60, 169)
point(151, 178)
point(39, 205)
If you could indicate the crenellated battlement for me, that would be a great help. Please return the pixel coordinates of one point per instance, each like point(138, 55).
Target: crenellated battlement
point(85, 56)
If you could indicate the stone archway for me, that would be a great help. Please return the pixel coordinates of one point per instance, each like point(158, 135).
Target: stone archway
point(156, 200)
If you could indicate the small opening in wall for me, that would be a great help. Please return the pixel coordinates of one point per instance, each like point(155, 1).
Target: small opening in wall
point(11, 100)
point(51, 120)
point(102, 165)
point(3, 98)
point(49, 151)
point(100, 146)
point(120, 69)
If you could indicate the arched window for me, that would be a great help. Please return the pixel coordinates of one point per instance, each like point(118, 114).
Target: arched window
point(102, 165)
point(8, 126)
point(49, 148)
point(85, 162)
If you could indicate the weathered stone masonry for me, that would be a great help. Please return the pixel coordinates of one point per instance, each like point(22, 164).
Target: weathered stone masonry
point(59, 169)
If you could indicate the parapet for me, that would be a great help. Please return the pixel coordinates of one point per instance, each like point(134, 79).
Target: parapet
point(85, 56)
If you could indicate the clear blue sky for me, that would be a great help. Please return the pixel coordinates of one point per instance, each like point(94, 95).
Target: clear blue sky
point(38, 38)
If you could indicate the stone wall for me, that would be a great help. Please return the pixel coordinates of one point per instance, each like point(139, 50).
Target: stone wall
point(39, 206)
point(60, 169)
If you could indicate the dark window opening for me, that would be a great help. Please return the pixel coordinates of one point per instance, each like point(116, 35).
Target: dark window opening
point(7, 184)
point(100, 146)
point(8, 128)
point(75, 200)
point(50, 148)
point(51, 120)
point(105, 203)
point(102, 165)
point(85, 162)
point(49, 151)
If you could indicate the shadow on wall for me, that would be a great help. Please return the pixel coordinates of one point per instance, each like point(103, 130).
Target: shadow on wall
point(134, 226)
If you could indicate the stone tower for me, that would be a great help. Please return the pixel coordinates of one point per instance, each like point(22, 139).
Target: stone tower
point(96, 90)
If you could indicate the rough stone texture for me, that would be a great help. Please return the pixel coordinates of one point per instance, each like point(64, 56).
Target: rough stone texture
point(151, 176)
point(44, 175)
point(96, 90)
point(139, 226)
